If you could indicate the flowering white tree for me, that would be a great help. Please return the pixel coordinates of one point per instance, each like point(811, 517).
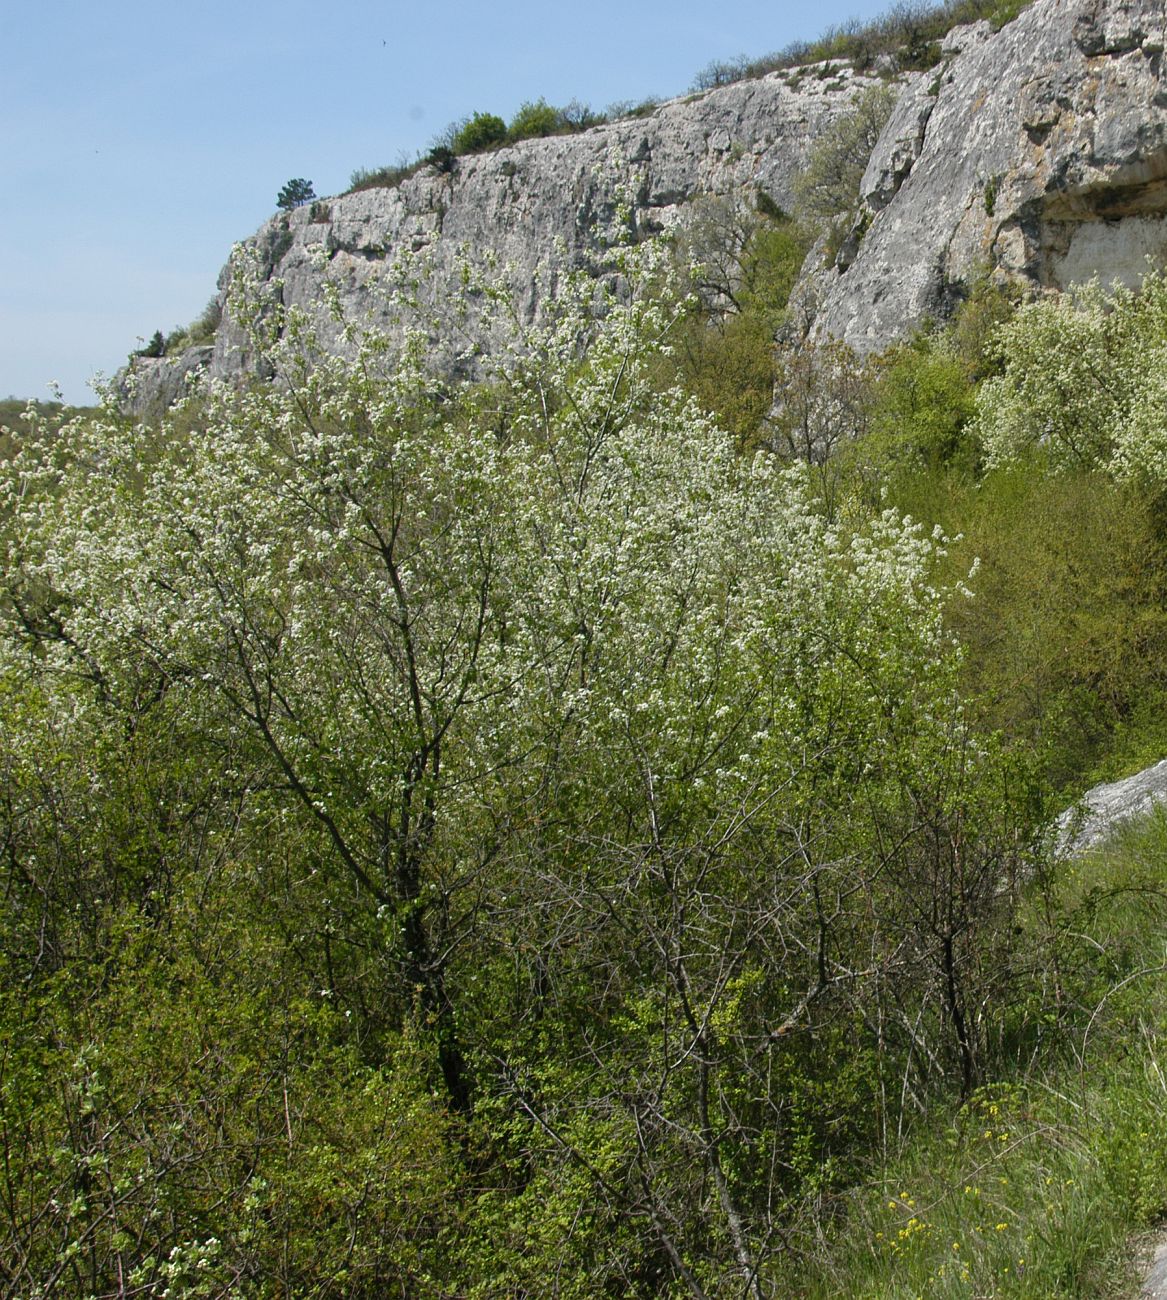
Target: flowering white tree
point(581, 731)
point(1084, 378)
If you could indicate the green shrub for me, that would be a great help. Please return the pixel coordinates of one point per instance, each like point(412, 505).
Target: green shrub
point(922, 403)
point(535, 119)
point(1040, 1185)
point(827, 189)
point(478, 133)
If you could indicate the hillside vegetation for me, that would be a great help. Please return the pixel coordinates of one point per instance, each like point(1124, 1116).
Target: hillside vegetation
point(906, 38)
point(523, 839)
point(586, 831)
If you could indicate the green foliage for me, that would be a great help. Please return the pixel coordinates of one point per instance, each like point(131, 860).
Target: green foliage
point(827, 189)
point(1043, 1184)
point(922, 402)
point(985, 305)
point(1083, 383)
point(198, 332)
point(1065, 635)
point(18, 418)
point(743, 267)
point(908, 35)
point(375, 178)
point(728, 366)
point(535, 119)
point(458, 836)
point(479, 132)
point(154, 348)
point(295, 194)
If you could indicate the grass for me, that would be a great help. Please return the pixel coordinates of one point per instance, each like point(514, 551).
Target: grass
point(1042, 1184)
point(909, 33)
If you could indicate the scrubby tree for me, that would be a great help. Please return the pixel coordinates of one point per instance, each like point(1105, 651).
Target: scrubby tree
point(295, 194)
point(827, 189)
point(521, 758)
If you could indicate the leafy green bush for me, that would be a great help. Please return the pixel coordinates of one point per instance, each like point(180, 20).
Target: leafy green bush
point(536, 119)
point(1084, 383)
point(827, 189)
point(1066, 635)
point(480, 132)
point(922, 403)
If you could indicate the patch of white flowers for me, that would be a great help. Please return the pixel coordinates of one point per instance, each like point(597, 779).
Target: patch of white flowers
point(364, 570)
point(1084, 378)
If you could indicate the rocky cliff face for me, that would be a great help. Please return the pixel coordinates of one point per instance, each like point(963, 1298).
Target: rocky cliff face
point(545, 203)
point(1037, 153)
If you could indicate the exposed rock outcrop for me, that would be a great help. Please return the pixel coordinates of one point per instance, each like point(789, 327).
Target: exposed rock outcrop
point(549, 202)
point(1038, 152)
point(1103, 809)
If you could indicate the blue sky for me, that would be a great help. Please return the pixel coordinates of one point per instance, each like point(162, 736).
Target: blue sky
point(139, 141)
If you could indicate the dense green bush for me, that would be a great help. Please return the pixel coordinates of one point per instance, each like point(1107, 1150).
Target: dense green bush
point(479, 132)
point(536, 119)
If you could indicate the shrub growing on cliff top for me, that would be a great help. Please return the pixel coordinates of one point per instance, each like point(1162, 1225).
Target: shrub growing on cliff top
point(482, 131)
point(909, 34)
point(536, 119)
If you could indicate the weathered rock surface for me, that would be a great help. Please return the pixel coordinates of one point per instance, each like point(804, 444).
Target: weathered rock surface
point(1102, 810)
point(1038, 152)
point(546, 202)
point(1155, 1281)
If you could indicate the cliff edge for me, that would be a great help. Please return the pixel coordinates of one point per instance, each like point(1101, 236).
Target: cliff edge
point(1036, 154)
